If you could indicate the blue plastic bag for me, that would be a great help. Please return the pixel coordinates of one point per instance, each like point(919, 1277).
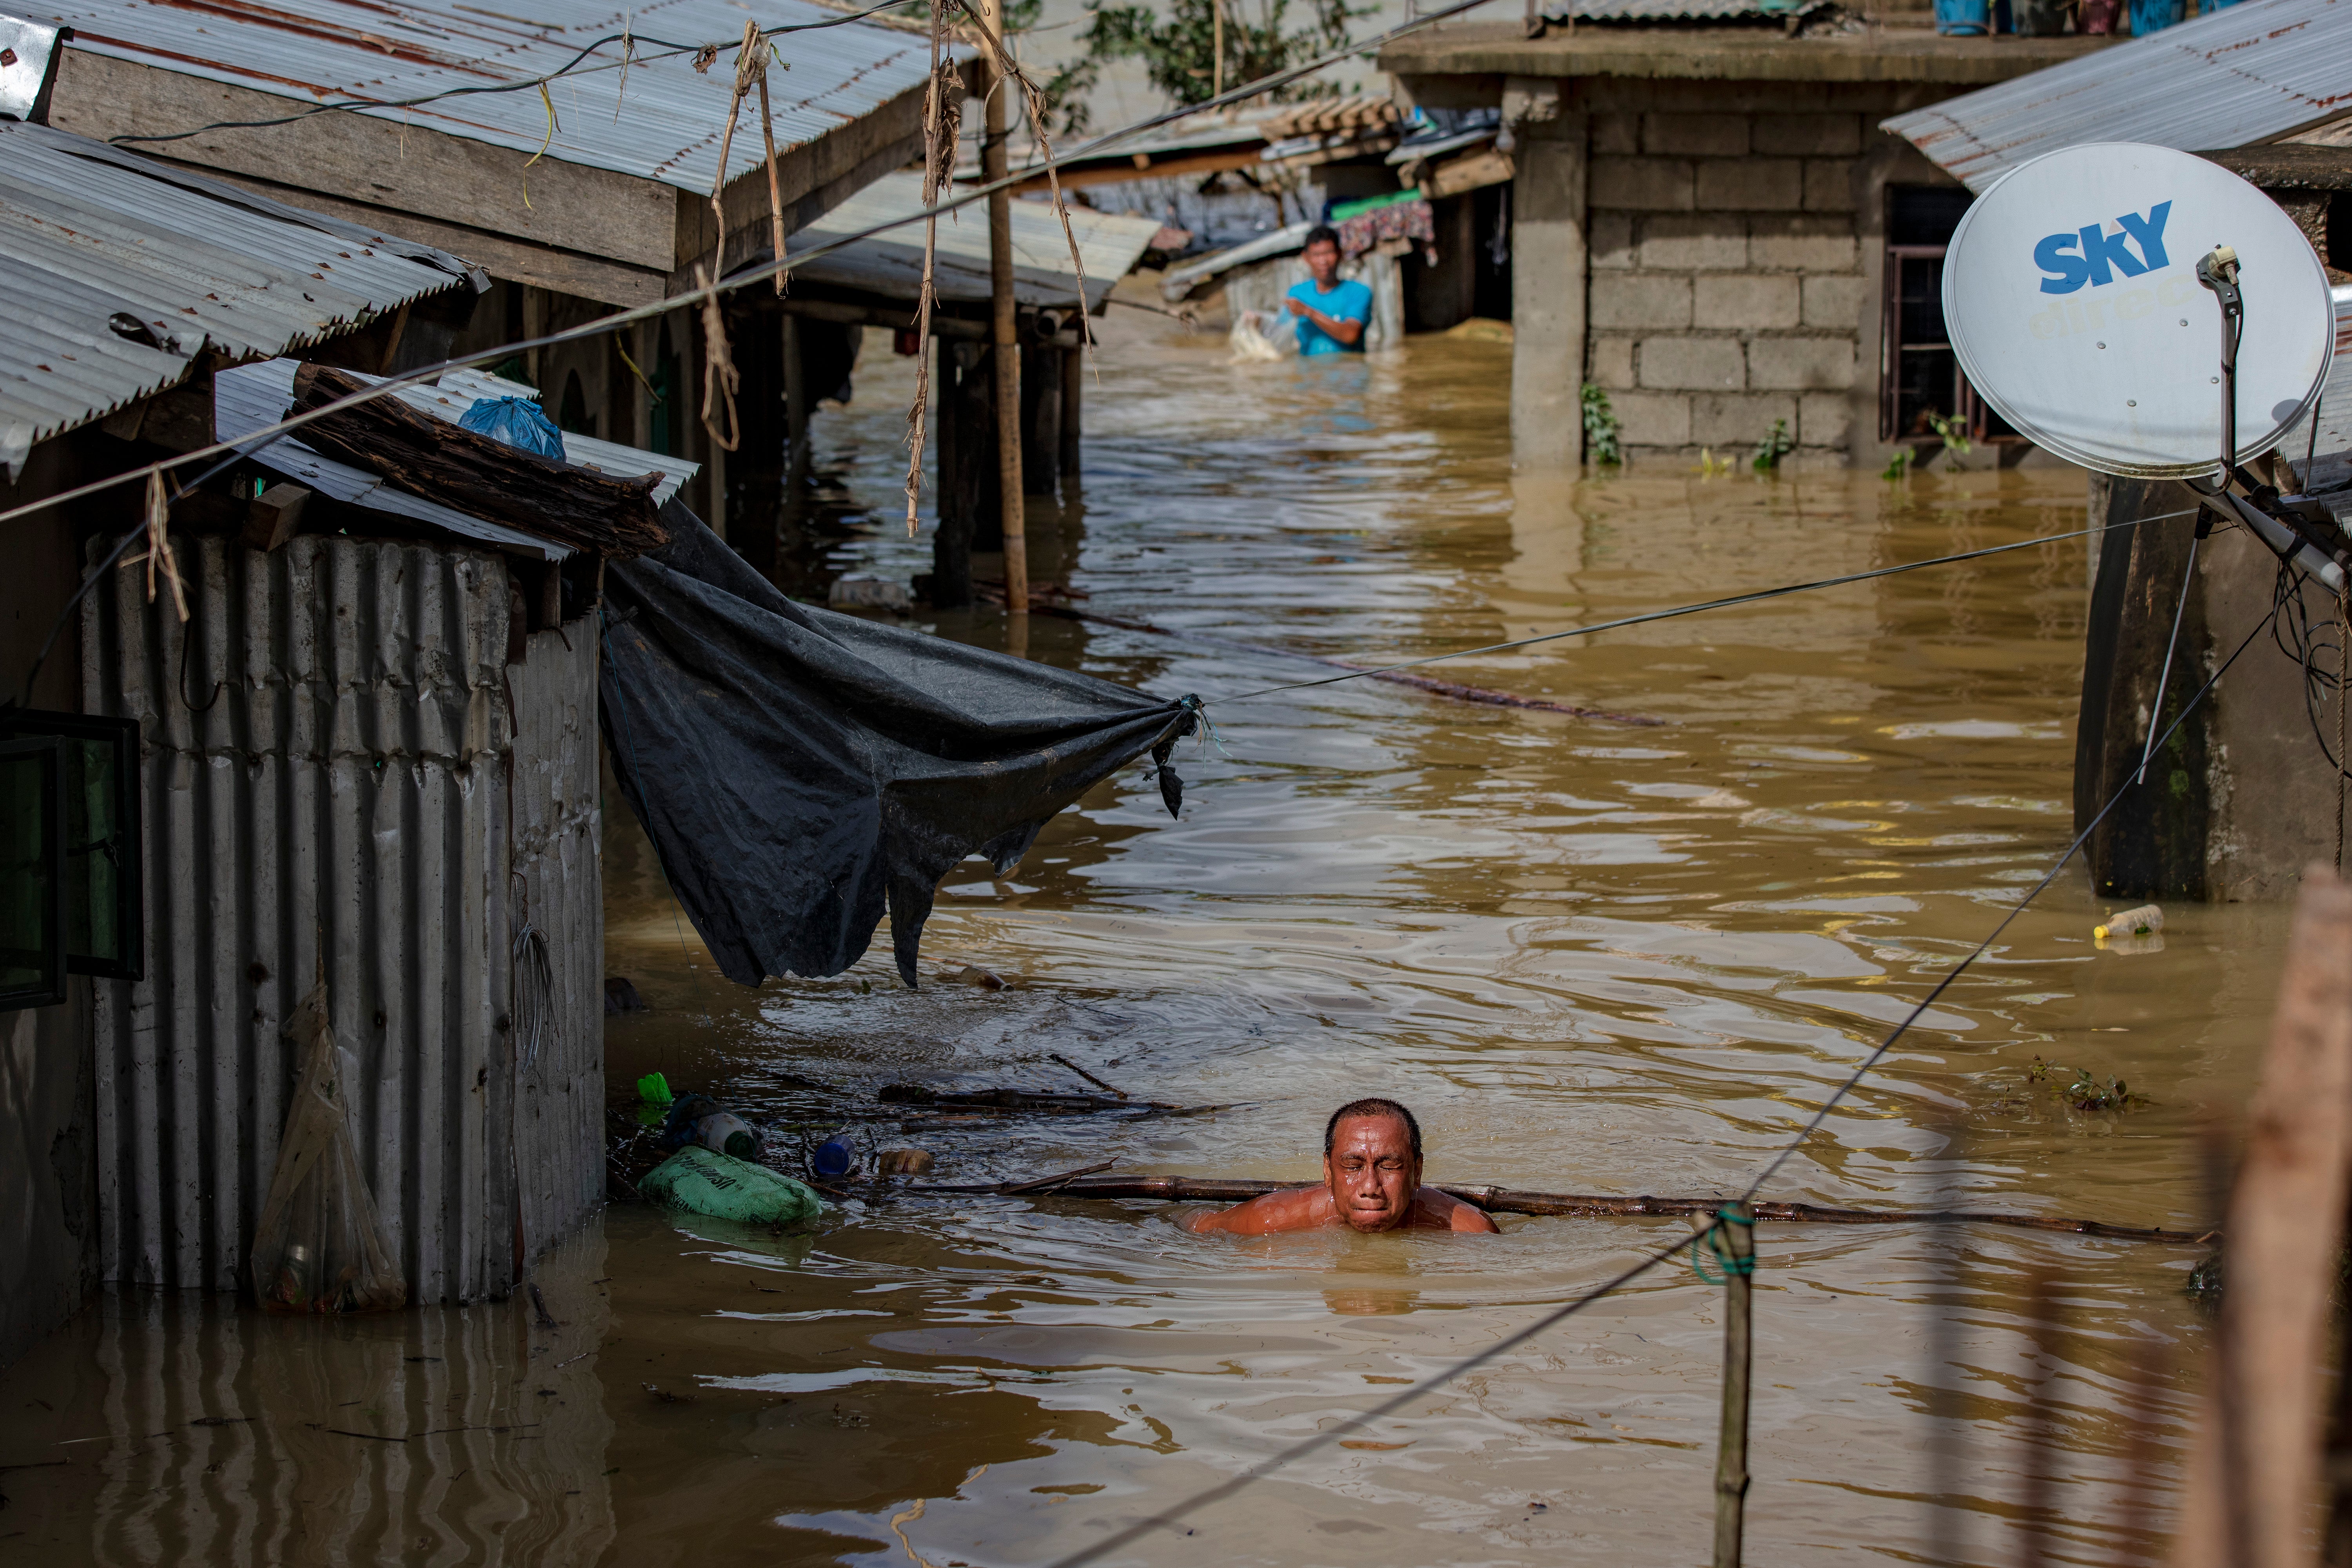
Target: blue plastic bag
point(517, 421)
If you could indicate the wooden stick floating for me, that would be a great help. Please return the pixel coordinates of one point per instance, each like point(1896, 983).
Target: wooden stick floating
point(1571, 1206)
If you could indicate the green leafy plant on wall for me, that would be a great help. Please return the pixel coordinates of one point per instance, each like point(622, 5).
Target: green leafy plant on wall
point(1600, 428)
point(1178, 46)
point(1776, 444)
point(1951, 430)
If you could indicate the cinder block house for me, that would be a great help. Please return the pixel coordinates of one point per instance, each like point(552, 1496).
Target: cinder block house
point(1709, 225)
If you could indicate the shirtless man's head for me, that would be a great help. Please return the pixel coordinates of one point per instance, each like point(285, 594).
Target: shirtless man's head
point(1371, 1164)
point(1371, 1182)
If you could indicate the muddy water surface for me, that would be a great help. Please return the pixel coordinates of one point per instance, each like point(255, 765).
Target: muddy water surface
point(1594, 956)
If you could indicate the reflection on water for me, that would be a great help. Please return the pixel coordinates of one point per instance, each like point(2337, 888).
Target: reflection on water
point(1592, 956)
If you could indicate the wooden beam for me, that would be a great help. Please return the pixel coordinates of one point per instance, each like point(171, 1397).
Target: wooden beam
point(515, 261)
point(2254, 1472)
point(1125, 169)
point(399, 169)
point(881, 316)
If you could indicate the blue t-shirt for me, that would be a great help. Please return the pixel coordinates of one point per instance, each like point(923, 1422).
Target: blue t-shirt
point(1346, 301)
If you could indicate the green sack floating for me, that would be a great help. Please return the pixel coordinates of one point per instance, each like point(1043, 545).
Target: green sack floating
point(708, 1183)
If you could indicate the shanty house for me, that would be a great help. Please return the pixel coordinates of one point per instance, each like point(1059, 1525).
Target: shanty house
point(364, 750)
point(590, 192)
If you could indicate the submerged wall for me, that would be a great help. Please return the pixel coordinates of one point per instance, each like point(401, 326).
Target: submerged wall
point(2243, 796)
point(343, 770)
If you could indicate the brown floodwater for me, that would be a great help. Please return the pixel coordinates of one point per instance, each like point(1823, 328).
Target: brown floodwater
point(1594, 956)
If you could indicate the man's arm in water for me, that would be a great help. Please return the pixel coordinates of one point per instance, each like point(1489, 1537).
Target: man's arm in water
point(1311, 1208)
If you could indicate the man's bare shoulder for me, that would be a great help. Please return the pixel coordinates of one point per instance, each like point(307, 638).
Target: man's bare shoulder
point(1437, 1210)
point(1298, 1209)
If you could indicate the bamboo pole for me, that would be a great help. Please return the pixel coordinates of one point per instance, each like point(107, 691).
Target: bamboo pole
point(1735, 1243)
point(1004, 349)
point(2254, 1472)
point(1583, 1206)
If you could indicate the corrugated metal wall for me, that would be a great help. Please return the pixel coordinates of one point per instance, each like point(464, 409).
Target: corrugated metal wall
point(333, 770)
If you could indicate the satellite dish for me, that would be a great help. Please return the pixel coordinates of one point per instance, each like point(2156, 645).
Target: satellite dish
point(2070, 296)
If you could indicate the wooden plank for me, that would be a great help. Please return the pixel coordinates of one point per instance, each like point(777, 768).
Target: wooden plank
point(399, 169)
point(1127, 169)
point(1487, 167)
point(565, 272)
point(275, 515)
point(487, 478)
point(2254, 1484)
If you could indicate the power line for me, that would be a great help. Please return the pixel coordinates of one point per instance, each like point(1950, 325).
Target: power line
point(2130, 782)
point(1759, 596)
point(746, 277)
point(1331, 1435)
point(1258, 1472)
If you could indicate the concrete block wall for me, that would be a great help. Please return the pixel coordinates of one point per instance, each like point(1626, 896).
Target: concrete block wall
point(1734, 259)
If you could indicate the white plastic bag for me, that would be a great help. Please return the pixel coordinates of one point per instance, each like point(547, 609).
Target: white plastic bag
point(1249, 341)
point(317, 1246)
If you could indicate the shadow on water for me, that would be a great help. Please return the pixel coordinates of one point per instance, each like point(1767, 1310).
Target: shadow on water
point(1592, 957)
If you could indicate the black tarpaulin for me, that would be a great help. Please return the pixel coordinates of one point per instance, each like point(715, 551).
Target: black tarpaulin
point(800, 770)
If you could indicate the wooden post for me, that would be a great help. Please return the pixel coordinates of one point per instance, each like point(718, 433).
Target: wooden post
point(1006, 351)
point(951, 538)
point(1041, 390)
point(2255, 1471)
point(796, 426)
point(1736, 1238)
point(1073, 375)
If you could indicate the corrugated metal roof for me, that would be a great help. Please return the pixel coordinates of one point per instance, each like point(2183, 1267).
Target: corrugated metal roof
point(117, 272)
point(664, 124)
point(2328, 448)
point(2247, 73)
point(891, 264)
point(373, 789)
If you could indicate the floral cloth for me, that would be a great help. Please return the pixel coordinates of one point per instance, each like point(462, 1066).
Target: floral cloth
point(1397, 220)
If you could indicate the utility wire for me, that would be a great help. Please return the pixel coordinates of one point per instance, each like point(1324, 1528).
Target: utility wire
point(1357, 1423)
point(1331, 1435)
point(1759, 596)
point(746, 278)
point(1872, 1060)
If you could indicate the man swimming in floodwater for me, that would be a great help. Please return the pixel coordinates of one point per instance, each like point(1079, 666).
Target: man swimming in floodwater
point(1371, 1182)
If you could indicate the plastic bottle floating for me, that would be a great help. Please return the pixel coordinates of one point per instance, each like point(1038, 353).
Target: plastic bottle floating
point(2146, 921)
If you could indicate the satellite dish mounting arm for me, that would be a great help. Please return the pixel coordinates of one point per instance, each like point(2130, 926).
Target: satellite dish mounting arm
point(2218, 270)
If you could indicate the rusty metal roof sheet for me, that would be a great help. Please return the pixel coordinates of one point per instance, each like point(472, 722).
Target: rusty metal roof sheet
point(118, 271)
point(891, 264)
point(660, 121)
point(2254, 72)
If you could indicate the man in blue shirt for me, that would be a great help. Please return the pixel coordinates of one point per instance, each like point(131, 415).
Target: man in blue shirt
point(1332, 314)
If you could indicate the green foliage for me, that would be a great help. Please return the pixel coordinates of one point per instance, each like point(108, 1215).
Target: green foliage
point(1176, 46)
point(2083, 1092)
point(1776, 444)
point(1897, 468)
point(2205, 1281)
point(1950, 431)
point(1601, 427)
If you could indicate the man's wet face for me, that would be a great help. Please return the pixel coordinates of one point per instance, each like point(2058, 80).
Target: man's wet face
point(1323, 261)
point(1373, 1171)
